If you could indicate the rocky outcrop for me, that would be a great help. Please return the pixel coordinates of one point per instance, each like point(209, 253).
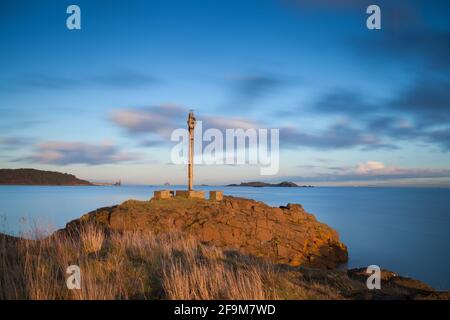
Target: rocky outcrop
point(393, 287)
point(287, 235)
point(352, 284)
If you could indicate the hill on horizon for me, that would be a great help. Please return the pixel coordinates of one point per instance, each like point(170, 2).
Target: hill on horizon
point(39, 177)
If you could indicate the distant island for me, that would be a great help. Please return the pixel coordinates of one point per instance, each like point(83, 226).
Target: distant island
point(39, 177)
point(258, 184)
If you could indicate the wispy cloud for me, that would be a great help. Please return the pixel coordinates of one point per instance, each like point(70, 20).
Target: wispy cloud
point(125, 79)
point(160, 120)
point(338, 136)
point(65, 153)
point(374, 171)
point(12, 143)
point(163, 119)
point(428, 100)
point(418, 113)
point(246, 90)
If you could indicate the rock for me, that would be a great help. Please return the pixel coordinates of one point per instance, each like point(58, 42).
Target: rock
point(351, 284)
point(393, 286)
point(286, 235)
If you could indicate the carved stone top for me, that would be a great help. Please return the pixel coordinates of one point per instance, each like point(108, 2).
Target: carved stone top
point(191, 121)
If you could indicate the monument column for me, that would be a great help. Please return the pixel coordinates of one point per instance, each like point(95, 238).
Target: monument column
point(189, 193)
point(191, 126)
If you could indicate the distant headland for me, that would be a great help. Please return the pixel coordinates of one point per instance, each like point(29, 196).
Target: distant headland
point(259, 184)
point(39, 178)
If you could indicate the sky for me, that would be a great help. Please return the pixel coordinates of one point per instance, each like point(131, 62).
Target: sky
point(354, 106)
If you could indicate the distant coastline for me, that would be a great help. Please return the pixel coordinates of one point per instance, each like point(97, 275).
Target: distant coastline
point(259, 184)
point(34, 177)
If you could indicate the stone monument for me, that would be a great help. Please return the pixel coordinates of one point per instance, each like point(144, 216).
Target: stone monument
point(190, 193)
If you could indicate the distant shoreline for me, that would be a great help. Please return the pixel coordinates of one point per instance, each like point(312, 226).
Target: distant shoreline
point(33, 177)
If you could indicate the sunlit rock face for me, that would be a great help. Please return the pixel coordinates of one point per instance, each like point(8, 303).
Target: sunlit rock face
point(287, 235)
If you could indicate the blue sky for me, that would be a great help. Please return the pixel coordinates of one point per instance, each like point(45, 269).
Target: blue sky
point(354, 106)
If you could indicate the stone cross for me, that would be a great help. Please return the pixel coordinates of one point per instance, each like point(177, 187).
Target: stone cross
point(191, 125)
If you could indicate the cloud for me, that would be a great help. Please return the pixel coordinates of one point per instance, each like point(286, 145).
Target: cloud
point(49, 82)
point(423, 46)
point(223, 123)
point(428, 99)
point(419, 112)
point(12, 143)
point(440, 137)
point(247, 89)
point(338, 136)
point(125, 79)
point(375, 171)
point(344, 102)
point(65, 153)
point(369, 166)
point(367, 127)
point(151, 143)
point(253, 86)
point(160, 120)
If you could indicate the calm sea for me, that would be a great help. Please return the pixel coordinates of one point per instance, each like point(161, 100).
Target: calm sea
point(406, 230)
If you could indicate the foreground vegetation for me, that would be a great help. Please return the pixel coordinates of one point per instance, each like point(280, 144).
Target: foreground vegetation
point(141, 265)
point(136, 265)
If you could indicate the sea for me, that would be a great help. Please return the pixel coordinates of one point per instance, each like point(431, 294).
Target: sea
point(406, 230)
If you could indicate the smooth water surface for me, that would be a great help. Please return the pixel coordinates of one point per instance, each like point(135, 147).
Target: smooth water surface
point(405, 230)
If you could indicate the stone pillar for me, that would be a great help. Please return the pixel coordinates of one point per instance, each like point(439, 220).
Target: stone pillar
point(191, 126)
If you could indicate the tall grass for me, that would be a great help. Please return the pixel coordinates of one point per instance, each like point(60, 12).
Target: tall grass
point(137, 265)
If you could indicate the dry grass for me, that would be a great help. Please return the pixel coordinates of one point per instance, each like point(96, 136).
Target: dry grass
point(92, 239)
point(134, 265)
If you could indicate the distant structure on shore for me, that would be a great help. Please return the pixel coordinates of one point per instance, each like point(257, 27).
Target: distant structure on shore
point(190, 193)
point(105, 184)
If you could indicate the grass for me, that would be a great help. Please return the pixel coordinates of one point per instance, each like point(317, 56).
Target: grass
point(136, 265)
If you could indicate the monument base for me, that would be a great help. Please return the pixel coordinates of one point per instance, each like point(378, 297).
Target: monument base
point(190, 194)
point(216, 195)
point(162, 194)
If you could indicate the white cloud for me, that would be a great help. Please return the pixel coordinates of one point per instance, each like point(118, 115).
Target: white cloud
point(370, 167)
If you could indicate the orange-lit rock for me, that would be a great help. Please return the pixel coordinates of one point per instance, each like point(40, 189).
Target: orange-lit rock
point(284, 235)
